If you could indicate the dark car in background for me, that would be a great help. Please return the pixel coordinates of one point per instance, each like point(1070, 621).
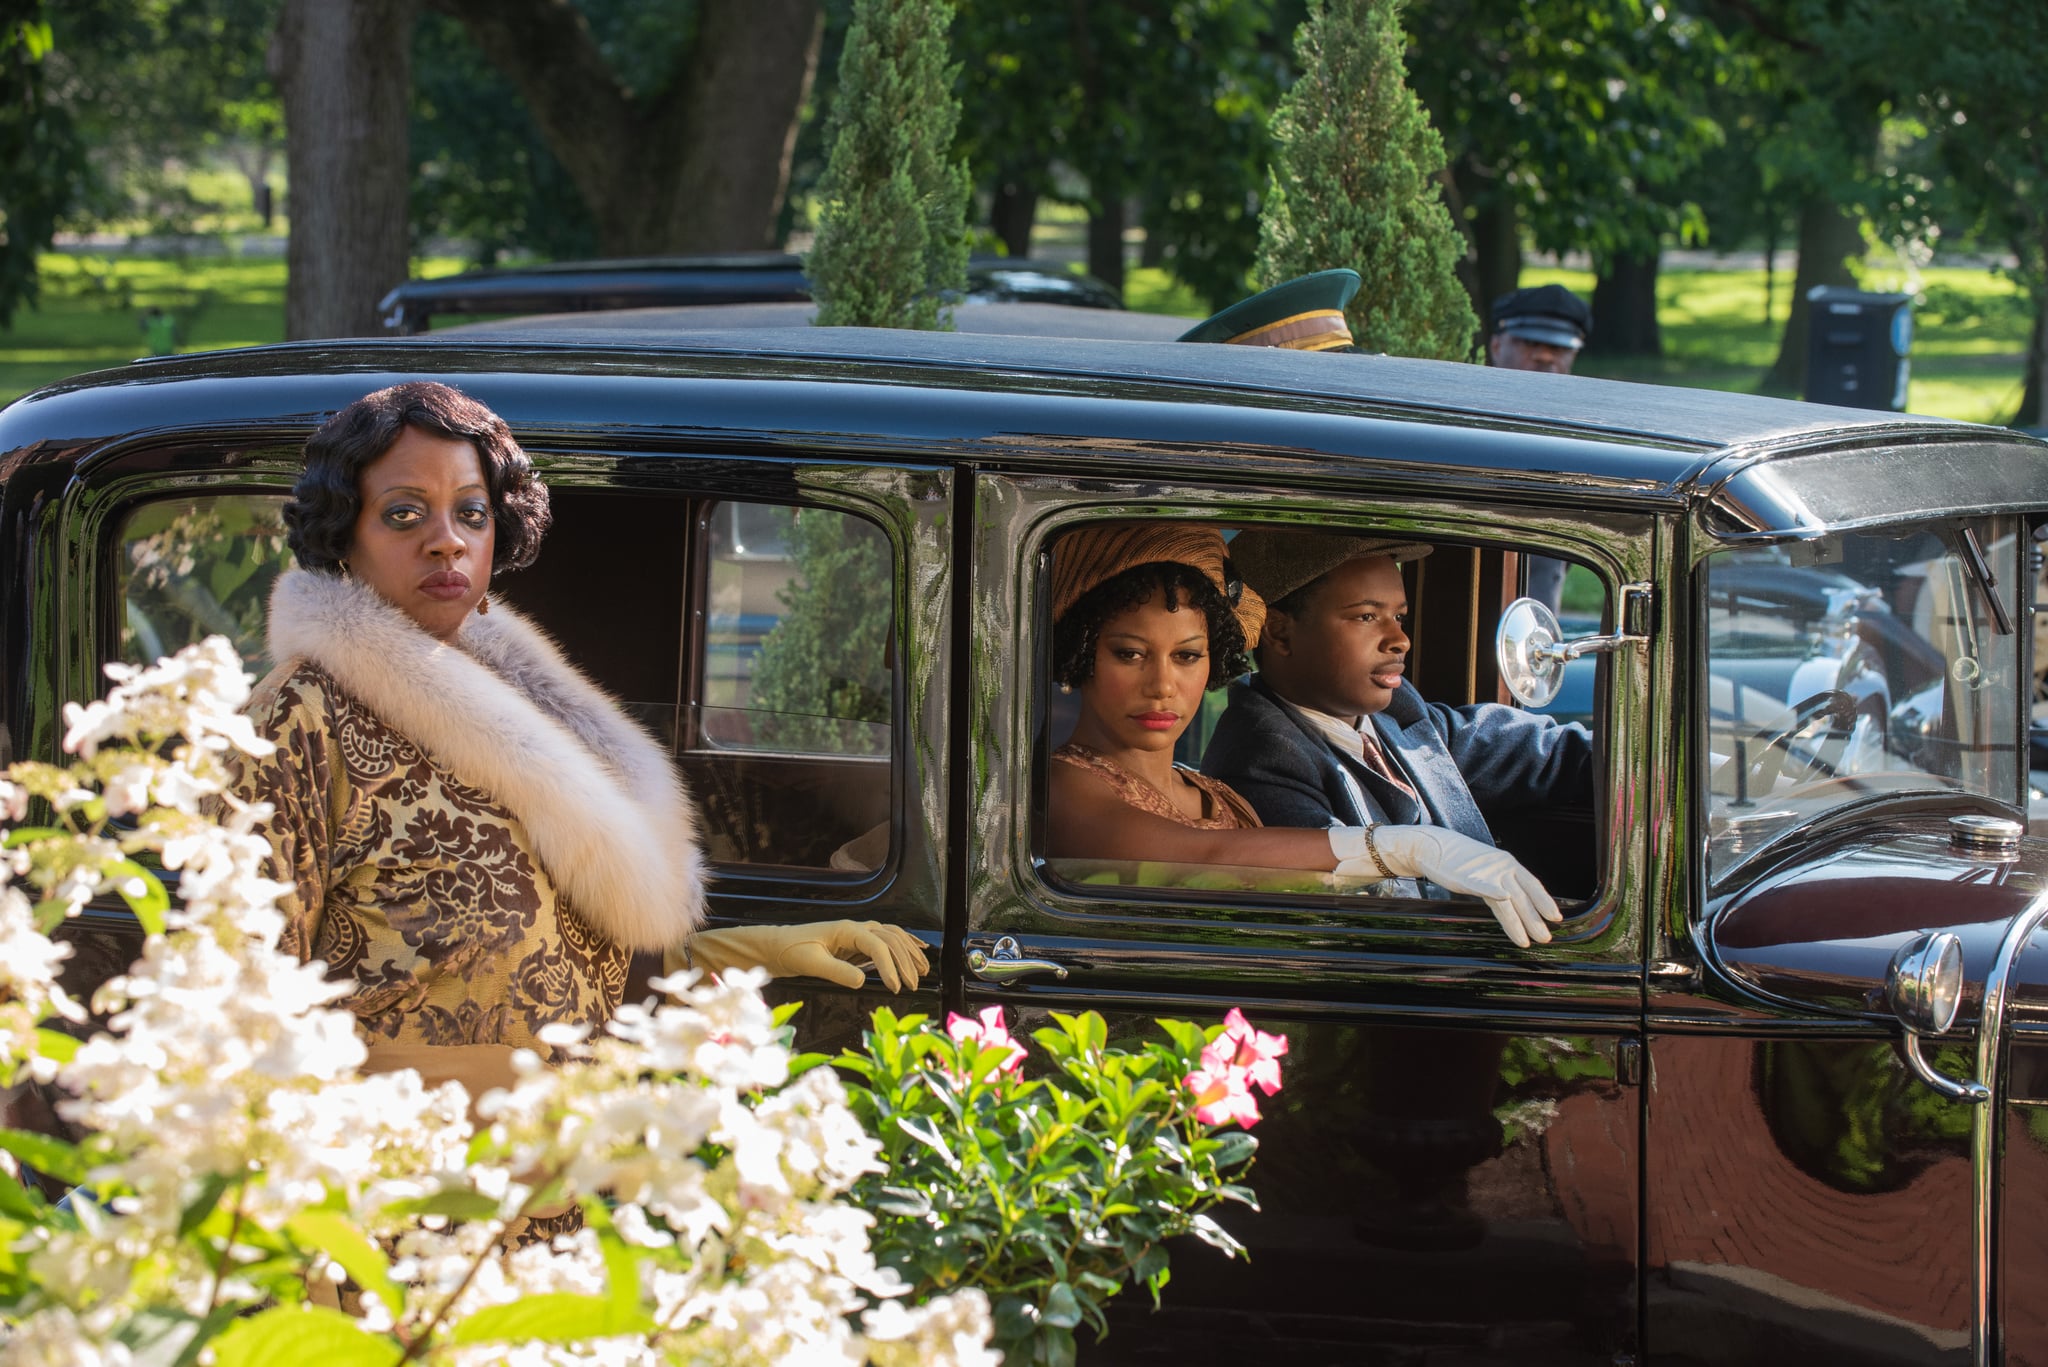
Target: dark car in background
point(673, 281)
point(1778, 1091)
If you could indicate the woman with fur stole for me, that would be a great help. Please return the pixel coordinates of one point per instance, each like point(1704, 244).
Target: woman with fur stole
point(476, 836)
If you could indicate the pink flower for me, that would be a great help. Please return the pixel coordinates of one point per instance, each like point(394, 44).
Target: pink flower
point(986, 1032)
point(1221, 1096)
point(1241, 1049)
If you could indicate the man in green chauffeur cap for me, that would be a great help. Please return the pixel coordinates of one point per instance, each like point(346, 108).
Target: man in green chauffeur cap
point(1302, 314)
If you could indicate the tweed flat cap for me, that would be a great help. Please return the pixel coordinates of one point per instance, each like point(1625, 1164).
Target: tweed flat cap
point(1102, 550)
point(1276, 563)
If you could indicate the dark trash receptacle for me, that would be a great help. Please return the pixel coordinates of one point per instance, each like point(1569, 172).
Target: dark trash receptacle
point(1856, 345)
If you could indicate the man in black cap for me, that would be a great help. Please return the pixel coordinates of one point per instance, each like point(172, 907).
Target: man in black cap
point(1538, 329)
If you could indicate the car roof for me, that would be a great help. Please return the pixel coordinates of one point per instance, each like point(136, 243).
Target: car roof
point(1065, 400)
point(1009, 318)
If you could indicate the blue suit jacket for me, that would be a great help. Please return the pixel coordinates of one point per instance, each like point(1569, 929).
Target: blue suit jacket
point(1463, 762)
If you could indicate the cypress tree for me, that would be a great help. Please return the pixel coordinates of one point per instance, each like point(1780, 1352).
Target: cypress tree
point(1354, 184)
point(892, 205)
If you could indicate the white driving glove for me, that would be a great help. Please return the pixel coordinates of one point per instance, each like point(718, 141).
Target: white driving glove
point(1457, 862)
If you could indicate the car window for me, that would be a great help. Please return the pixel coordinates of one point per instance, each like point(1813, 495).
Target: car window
point(1455, 596)
point(189, 568)
point(754, 636)
point(1855, 665)
point(797, 611)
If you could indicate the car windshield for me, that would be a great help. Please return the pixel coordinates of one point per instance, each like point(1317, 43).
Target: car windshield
point(1860, 664)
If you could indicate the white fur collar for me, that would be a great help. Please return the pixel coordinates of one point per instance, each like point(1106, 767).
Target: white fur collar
point(503, 711)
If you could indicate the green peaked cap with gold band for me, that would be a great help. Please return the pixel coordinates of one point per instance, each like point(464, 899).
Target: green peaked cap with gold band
point(1302, 314)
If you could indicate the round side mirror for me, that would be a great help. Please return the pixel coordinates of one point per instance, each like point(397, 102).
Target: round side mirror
point(1925, 983)
point(1524, 648)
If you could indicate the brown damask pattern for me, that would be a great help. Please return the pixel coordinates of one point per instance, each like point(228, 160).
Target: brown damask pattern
point(422, 891)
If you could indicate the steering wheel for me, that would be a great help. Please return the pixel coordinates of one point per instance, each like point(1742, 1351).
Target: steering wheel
point(1766, 752)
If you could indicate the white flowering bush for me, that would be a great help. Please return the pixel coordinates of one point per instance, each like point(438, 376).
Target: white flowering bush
point(246, 1195)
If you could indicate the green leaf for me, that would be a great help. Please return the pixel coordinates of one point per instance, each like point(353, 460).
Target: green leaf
point(621, 1261)
point(1062, 1308)
point(803, 1063)
point(925, 1132)
point(1056, 1347)
point(1234, 1147)
point(553, 1317)
point(151, 903)
point(55, 1044)
point(19, 1202)
point(203, 1334)
point(455, 1203)
point(1015, 1319)
point(302, 1334)
point(25, 835)
point(65, 1162)
point(49, 914)
point(195, 1212)
point(1215, 1235)
point(337, 1236)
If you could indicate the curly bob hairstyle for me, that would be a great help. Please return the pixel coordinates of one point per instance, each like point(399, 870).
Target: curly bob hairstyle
point(321, 517)
point(1079, 630)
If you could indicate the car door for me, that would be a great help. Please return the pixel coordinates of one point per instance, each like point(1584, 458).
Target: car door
point(1452, 1164)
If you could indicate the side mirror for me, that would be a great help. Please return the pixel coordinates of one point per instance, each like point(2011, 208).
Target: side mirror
point(1525, 648)
point(1531, 653)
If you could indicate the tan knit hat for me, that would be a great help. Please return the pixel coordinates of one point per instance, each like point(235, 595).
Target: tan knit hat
point(1103, 550)
point(1277, 562)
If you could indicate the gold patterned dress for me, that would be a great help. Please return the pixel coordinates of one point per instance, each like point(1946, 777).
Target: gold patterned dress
point(476, 838)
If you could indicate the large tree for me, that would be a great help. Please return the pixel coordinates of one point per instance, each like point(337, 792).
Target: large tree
point(1158, 103)
point(892, 229)
point(1355, 183)
point(41, 159)
point(346, 71)
point(1987, 100)
point(1569, 125)
point(689, 156)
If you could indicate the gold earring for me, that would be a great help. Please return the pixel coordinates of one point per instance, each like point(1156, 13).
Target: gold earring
point(483, 606)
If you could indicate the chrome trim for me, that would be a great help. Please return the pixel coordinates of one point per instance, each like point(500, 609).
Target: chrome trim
point(1974, 1093)
point(1995, 837)
point(1005, 962)
point(1984, 1126)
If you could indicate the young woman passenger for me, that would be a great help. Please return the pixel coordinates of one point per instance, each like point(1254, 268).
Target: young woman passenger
point(476, 837)
point(1146, 619)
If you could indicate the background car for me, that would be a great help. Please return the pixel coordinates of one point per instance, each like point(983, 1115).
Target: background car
point(739, 278)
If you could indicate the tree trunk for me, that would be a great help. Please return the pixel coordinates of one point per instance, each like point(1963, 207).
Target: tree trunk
point(1106, 241)
point(345, 70)
point(1013, 212)
point(1829, 238)
point(1625, 308)
point(701, 167)
point(2030, 412)
point(1492, 264)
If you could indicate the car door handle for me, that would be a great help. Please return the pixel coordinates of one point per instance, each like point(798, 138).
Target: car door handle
point(1005, 962)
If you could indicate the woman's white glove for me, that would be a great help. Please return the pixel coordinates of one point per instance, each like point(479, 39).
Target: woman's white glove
point(832, 950)
point(1457, 862)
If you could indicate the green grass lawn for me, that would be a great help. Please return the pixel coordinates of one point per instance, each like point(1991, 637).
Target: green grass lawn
point(1969, 345)
point(1969, 335)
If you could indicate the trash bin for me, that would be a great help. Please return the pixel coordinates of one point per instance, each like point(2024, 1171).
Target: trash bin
point(1856, 345)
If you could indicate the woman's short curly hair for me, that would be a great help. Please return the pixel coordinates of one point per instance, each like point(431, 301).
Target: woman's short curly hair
point(320, 520)
point(1079, 630)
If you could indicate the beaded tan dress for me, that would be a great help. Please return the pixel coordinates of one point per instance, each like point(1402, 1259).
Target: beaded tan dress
point(1222, 808)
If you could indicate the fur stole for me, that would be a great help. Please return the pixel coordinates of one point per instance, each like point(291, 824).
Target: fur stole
point(502, 710)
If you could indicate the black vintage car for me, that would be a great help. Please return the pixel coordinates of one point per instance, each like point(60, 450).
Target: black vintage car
point(1778, 1091)
point(696, 281)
